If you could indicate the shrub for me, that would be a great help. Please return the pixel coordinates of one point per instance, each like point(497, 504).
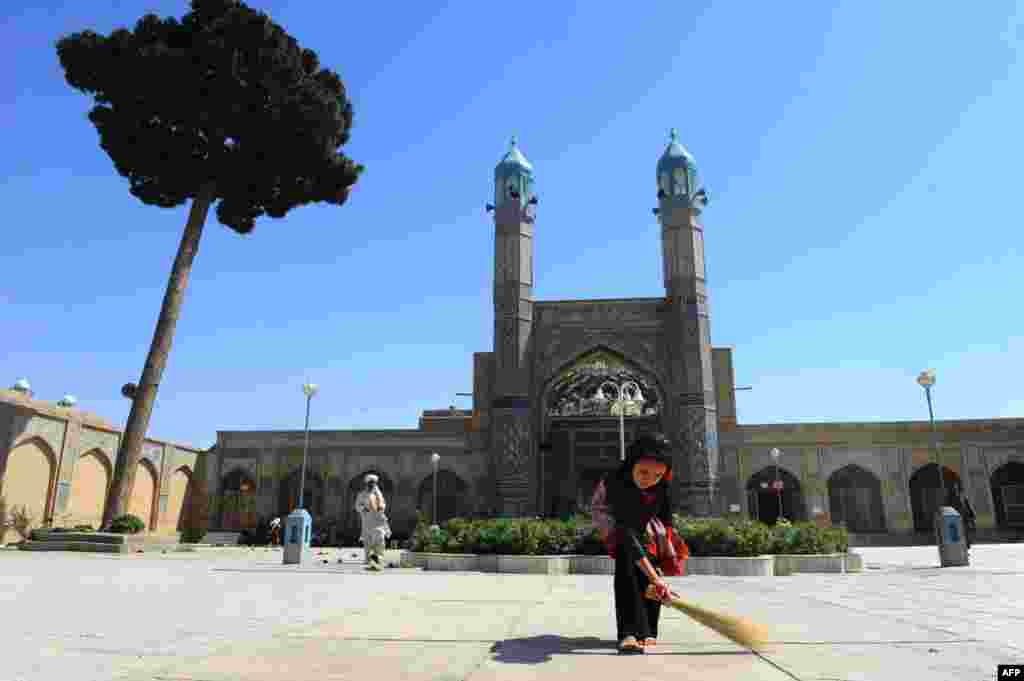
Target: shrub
point(84, 528)
point(741, 537)
point(127, 524)
point(20, 520)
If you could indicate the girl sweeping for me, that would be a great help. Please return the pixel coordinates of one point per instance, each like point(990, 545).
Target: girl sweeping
point(638, 502)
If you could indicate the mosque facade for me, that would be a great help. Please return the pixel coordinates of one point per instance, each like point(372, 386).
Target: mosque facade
point(567, 383)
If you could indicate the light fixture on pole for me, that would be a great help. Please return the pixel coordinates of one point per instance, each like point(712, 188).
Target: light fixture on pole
point(298, 526)
point(775, 454)
point(621, 391)
point(309, 389)
point(926, 379)
point(435, 459)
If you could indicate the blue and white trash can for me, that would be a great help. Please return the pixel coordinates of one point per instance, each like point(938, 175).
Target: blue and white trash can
point(950, 537)
point(298, 527)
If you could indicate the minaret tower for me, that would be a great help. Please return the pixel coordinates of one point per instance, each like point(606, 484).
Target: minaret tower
point(681, 199)
point(511, 445)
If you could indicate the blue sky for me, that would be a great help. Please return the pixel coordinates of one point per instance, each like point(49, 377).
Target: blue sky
point(863, 160)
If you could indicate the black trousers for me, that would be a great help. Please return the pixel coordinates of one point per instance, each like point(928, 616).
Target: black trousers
point(635, 615)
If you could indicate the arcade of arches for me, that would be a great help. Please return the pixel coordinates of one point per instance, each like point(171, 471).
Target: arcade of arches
point(243, 505)
point(903, 500)
point(32, 465)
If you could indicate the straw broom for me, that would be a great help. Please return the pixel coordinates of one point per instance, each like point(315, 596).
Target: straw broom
point(738, 629)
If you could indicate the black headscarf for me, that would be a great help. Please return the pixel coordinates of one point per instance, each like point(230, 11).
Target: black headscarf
point(624, 497)
point(654, 446)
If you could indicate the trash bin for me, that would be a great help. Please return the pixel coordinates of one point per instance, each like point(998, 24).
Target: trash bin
point(949, 530)
point(298, 527)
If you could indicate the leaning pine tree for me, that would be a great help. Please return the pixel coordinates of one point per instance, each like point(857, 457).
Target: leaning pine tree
point(222, 106)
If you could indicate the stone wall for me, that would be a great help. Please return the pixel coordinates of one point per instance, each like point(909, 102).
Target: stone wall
point(58, 464)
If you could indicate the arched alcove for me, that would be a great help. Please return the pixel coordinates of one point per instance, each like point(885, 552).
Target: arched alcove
point(28, 479)
point(144, 493)
point(926, 494)
point(855, 499)
point(178, 500)
point(1008, 494)
point(237, 501)
point(452, 497)
point(89, 489)
point(774, 491)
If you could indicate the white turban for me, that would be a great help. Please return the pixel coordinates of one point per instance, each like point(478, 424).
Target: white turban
point(370, 478)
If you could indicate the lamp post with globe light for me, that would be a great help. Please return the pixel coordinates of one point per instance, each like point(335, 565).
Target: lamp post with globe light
point(309, 389)
point(298, 527)
point(926, 379)
point(775, 454)
point(435, 459)
point(621, 399)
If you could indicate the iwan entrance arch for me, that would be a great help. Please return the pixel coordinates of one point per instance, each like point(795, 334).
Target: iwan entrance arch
point(580, 424)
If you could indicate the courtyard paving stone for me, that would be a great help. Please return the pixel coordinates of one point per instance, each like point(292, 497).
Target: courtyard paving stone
point(240, 614)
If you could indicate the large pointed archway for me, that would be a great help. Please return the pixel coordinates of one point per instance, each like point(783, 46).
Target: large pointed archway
point(773, 492)
point(584, 423)
point(926, 494)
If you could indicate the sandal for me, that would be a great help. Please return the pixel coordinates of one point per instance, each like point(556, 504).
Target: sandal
point(630, 645)
point(650, 642)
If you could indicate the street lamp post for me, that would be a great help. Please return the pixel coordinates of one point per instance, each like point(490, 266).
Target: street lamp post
point(621, 400)
point(926, 379)
point(309, 389)
point(776, 453)
point(435, 459)
point(298, 527)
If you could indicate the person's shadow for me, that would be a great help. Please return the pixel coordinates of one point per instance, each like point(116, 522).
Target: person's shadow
point(538, 649)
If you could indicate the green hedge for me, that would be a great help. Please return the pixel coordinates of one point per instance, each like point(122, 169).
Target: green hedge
point(703, 536)
point(127, 524)
point(714, 537)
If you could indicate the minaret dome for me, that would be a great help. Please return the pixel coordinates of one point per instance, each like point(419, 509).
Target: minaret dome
point(513, 178)
point(677, 174)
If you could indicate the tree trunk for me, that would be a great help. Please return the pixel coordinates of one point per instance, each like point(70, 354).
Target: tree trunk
point(130, 450)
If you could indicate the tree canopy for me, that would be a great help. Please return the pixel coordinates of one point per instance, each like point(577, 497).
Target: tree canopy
point(223, 99)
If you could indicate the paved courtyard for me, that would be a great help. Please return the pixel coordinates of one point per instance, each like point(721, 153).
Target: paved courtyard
point(239, 614)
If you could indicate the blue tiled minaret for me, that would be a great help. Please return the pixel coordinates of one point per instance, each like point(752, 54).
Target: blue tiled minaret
point(512, 447)
point(681, 200)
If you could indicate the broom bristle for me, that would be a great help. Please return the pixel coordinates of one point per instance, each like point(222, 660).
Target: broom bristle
point(737, 629)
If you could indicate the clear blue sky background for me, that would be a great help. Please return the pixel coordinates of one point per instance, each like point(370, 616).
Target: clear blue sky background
point(863, 159)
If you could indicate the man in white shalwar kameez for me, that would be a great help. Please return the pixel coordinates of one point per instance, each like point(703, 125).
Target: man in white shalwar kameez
point(370, 506)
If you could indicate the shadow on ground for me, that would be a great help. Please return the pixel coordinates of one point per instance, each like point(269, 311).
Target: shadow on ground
point(539, 649)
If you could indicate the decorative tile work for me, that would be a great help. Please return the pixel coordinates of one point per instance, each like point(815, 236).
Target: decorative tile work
point(515, 444)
